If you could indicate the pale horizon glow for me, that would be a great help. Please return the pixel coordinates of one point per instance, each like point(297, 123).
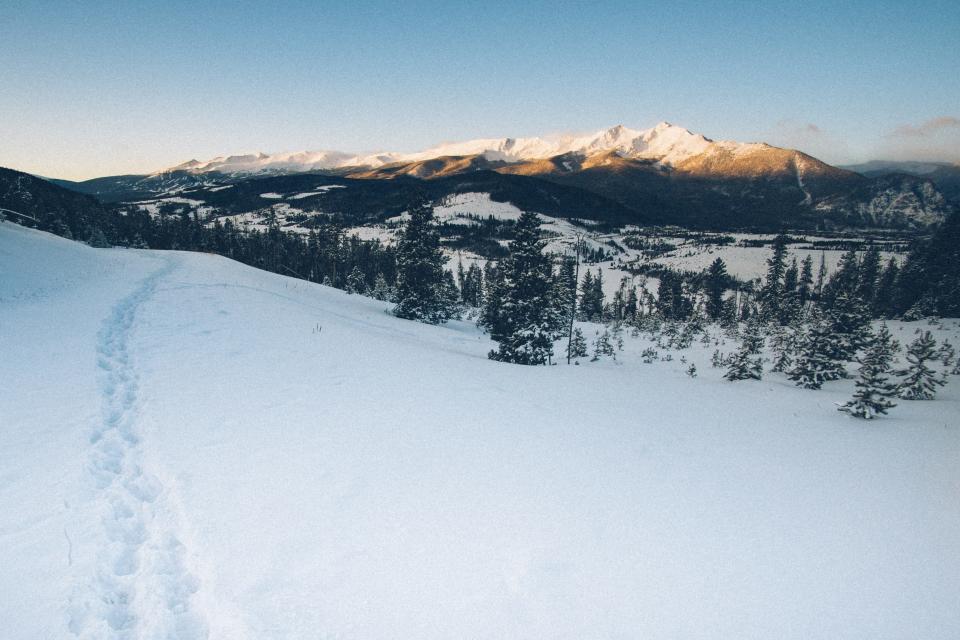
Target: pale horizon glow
point(105, 88)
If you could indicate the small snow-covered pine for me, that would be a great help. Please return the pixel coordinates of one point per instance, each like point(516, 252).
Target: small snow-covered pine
point(602, 347)
point(355, 281)
point(816, 361)
point(578, 345)
point(873, 386)
point(920, 382)
point(382, 290)
point(747, 362)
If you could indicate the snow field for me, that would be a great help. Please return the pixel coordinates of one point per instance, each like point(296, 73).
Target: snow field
point(236, 454)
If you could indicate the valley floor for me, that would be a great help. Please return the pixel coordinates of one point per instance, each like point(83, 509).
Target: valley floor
point(192, 448)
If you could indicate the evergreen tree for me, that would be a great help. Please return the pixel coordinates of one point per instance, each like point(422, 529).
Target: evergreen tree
point(530, 321)
point(815, 362)
point(883, 300)
point(946, 354)
point(355, 281)
point(475, 280)
point(772, 292)
point(885, 347)
point(382, 290)
point(920, 382)
point(97, 239)
point(873, 388)
point(597, 297)
point(602, 347)
point(462, 283)
point(715, 284)
point(791, 278)
point(494, 291)
point(586, 307)
point(821, 274)
point(844, 281)
point(805, 285)
point(747, 362)
point(850, 326)
point(783, 343)
point(450, 295)
point(421, 291)
point(692, 370)
point(728, 313)
point(578, 345)
point(869, 275)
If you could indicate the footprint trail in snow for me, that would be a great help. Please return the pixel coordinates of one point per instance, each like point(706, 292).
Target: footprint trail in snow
point(142, 587)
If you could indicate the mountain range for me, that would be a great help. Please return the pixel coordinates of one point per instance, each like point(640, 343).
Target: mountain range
point(662, 175)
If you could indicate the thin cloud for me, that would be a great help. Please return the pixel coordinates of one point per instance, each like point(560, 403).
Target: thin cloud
point(791, 127)
point(927, 128)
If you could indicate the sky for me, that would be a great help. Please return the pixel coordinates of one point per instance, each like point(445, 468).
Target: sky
point(103, 88)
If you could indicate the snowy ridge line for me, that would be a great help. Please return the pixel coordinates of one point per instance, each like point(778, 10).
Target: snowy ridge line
point(142, 587)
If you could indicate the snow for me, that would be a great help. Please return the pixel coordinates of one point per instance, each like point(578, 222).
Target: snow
point(665, 143)
point(271, 195)
point(477, 204)
point(152, 207)
point(317, 191)
point(192, 448)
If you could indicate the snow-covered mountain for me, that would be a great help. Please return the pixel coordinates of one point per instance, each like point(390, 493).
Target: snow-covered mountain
point(665, 175)
point(665, 143)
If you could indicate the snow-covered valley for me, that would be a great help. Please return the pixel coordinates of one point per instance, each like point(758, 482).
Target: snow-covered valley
point(192, 448)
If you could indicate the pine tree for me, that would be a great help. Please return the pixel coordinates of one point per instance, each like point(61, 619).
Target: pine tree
point(578, 345)
point(869, 275)
point(791, 278)
point(462, 283)
point(920, 382)
point(883, 300)
point(815, 362)
point(821, 274)
point(873, 388)
point(783, 343)
point(421, 291)
point(715, 284)
point(692, 370)
point(97, 239)
point(602, 347)
point(355, 281)
point(772, 293)
point(597, 297)
point(850, 325)
point(747, 362)
point(844, 281)
point(382, 290)
point(946, 354)
point(475, 279)
point(494, 292)
point(885, 346)
point(805, 285)
point(530, 322)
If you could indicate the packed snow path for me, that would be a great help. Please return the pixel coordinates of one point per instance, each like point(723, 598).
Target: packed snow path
point(142, 587)
point(183, 455)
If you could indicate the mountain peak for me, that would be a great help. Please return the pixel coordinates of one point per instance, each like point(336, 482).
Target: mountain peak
point(665, 143)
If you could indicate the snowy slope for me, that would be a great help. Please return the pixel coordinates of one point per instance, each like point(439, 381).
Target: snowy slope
point(191, 448)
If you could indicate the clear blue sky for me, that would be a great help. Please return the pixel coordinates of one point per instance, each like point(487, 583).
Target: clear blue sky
point(96, 88)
